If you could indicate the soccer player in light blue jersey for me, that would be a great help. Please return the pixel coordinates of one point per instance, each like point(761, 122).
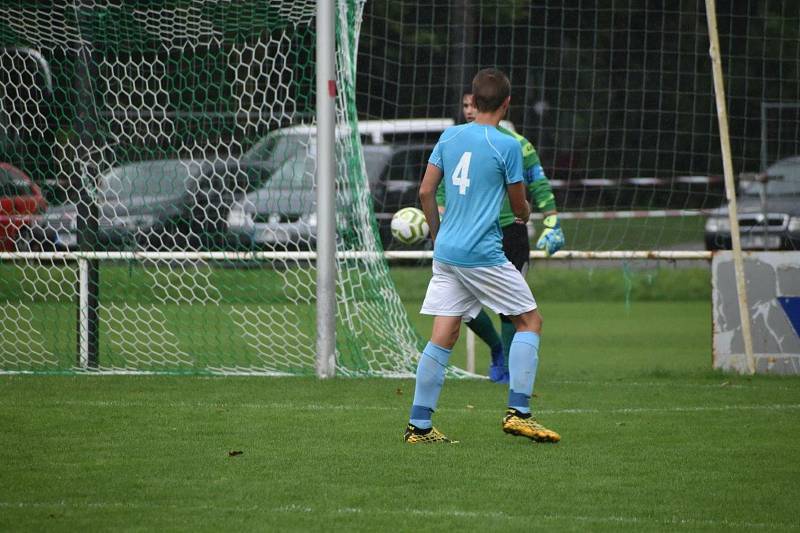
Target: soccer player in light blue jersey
point(515, 241)
point(480, 166)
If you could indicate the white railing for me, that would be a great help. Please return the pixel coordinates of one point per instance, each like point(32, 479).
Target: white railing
point(310, 255)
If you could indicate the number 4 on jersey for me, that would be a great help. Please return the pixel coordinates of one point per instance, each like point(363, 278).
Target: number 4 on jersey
point(461, 173)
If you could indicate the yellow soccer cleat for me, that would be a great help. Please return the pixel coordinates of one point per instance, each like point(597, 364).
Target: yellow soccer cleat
point(414, 435)
point(515, 424)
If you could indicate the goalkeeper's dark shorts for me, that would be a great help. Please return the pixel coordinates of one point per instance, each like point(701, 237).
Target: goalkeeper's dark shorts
point(517, 247)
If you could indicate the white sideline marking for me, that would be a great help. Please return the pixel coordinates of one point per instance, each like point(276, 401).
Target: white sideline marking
point(355, 407)
point(652, 384)
point(646, 384)
point(687, 409)
point(270, 373)
point(458, 513)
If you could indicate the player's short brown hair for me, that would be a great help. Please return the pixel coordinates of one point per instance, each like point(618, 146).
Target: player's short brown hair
point(490, 88)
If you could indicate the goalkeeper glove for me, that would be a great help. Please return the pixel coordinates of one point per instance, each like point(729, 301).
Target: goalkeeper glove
point(551, 239)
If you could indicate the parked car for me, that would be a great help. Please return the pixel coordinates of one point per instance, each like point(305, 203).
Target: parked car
point(21, 203)
point(264, 199)
point(159, 204)
point(397, 171)
point(776, 229)
point(281, 213)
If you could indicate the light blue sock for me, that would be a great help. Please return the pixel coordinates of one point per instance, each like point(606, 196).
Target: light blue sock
point(430, 378)
point(507, 332)
point(523, 359)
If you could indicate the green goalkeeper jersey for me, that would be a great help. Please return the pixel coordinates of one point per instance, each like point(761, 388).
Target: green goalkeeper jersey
point(535, 178)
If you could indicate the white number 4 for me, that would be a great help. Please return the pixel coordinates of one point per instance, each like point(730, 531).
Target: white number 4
point(461, 173)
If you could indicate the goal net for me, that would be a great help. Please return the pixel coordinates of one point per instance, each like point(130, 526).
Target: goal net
point(173, 130)
point(161, 157)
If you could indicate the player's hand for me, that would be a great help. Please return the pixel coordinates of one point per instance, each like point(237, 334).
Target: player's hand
point(551, 239)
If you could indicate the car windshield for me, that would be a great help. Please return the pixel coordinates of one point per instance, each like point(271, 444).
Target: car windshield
point(786, 182)
point(274, 150)
point(375, 159)
point(145, 179)
point(409, 165)
point(296, 172)
point(292, 160)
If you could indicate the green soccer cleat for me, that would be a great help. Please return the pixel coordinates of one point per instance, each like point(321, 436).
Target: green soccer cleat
point(516, 423)
point(414, 435)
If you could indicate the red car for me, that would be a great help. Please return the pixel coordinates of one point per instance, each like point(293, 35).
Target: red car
point(21, 201)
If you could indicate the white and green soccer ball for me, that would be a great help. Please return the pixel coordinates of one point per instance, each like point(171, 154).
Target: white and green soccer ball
point(409, 225)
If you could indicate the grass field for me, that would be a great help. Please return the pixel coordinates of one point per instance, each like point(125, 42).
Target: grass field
point(635, 233)
point(652, 439)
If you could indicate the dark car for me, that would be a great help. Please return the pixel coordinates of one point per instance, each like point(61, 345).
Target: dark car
point(768, 223)
point(281, 213)
point(21, 203)
point(397, 171)
point(160, 204)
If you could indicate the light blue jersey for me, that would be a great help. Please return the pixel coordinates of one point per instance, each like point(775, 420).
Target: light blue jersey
point(477, 163)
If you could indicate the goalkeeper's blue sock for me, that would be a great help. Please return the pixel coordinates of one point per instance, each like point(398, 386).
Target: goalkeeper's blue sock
point(507, 332)
point(430, 378)
point(482, 326)
point(522, 364)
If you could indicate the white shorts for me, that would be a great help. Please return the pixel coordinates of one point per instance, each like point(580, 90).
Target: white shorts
point(462, 291)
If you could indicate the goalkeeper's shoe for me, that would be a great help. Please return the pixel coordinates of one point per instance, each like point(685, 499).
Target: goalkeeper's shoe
point(552, 238)
point(498, 370)
point(498, 374)
point(415, 435)
point(524, 425)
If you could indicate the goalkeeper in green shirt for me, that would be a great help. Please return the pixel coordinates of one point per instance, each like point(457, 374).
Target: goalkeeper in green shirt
point(515, 242)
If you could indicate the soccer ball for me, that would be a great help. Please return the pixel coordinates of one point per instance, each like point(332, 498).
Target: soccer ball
point(409, 225)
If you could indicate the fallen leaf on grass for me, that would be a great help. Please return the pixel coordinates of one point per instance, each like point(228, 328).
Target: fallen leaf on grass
point(234, 453)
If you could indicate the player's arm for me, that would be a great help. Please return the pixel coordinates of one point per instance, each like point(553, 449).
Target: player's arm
point(519, 203)
point(543, 197)
point(538, 184)
point(440, 197)
point(427, 197)
point(552, 238)
point(515, 182)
